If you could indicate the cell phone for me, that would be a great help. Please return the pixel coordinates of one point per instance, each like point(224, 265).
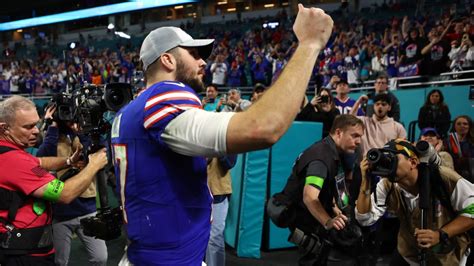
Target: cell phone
point(325, 99)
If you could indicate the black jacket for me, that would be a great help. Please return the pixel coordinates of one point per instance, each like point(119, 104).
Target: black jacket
point(436, 117)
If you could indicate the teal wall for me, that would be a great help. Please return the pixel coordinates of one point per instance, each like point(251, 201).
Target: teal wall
point(256, 176)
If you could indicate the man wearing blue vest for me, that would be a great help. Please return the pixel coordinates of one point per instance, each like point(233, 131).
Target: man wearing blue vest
point(160, 140)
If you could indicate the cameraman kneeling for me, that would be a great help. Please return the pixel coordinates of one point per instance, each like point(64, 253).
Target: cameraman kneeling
point(27, 189)
point(317, 217)
point(62, 139)
point(450, 215)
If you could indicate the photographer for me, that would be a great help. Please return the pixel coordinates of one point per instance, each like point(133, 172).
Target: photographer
point(61, 139)
point(320, 176)
point(450, 215)
point(320, 109)
point(27, 189)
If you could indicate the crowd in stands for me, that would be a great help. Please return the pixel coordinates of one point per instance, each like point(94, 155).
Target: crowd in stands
point(48, 74)
point(360, 49)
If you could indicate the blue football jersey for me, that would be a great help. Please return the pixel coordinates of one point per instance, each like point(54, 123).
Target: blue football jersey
point(166, 200)
point(346, 107)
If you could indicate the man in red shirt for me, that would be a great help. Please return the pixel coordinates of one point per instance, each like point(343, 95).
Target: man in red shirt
point(27, 189)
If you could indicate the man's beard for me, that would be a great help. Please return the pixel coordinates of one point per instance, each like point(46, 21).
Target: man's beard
point(194, 82)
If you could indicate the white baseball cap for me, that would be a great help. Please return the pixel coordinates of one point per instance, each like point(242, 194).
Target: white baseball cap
point(163, 39)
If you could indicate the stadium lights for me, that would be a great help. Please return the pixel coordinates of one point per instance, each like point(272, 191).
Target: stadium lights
point(178, 7)
point(123, 6)
point(222, 3)
point(269, 5)
point(20, 30)
point(231, 9)
point(122, 35)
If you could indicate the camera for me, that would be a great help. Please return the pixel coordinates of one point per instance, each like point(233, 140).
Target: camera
point(87, 105)
point(382, 163)
point(91, 102)
point(106, 225)
point(348, 237)
point(428, 153)
point(64, 107)
point(324, 99)
point(311, 243)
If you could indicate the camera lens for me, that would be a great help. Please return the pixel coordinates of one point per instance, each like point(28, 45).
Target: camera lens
point(422, 146)
point(373, 155)
point(117, 95)
point(116, 98)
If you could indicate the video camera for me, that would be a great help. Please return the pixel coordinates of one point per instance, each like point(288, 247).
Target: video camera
point(87, 105)
point(106, 225)
point(91, 103)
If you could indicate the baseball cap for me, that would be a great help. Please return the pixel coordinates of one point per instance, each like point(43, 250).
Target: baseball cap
point(427, 130)
point(401, 146)
point(164, 39)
